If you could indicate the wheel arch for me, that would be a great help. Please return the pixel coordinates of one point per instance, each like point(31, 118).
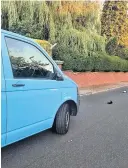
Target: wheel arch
point(73, 108)
point(72, 105)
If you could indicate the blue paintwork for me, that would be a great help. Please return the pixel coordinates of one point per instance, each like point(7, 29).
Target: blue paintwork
point(3, 108)
point(30, 109)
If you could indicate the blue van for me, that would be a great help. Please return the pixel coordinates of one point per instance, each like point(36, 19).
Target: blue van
point(35, 94)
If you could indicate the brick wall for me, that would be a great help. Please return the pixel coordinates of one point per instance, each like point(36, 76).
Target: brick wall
point(86, 79)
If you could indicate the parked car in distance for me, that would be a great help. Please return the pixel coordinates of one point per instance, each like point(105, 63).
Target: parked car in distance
point(35, 94)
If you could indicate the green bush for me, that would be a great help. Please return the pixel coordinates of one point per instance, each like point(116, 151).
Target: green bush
point(108, 63)
point(93, 61)
point(122, 52)
point(112, 48)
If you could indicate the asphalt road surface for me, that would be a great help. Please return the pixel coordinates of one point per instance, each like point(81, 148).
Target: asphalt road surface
point(98, 138)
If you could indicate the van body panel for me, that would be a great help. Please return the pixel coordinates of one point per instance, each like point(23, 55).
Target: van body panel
point(3, 108)
point(3, 119)
point(29, 130)
point(30, 107)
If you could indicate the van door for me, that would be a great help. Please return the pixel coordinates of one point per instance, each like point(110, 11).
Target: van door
point(3, 108)
point(33, 96)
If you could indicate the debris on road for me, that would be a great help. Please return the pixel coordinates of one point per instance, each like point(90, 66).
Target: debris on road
point(124, 91)
point(109, 102)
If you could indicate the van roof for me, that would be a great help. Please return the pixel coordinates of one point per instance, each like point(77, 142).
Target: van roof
point(15, 34)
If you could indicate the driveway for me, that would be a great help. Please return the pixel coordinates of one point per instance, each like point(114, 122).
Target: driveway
point(98, 138)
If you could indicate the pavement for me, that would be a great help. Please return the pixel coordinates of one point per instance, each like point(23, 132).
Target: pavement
point(101, 88)
point(98, 138)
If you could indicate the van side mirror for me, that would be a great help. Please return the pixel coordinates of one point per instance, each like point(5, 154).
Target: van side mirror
point(59, 77)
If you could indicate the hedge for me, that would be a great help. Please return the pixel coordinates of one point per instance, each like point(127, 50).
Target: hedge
point(113, 48)
point(93, 61)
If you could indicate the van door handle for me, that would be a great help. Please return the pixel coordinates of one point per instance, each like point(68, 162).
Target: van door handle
point(18, 85)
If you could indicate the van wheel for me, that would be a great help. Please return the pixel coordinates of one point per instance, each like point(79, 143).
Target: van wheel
point(62, 120)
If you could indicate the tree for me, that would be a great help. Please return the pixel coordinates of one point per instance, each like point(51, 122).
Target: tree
point(29, 18)
point(114, 21)
point(75, 24)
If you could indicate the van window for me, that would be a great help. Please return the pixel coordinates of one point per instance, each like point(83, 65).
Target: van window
point(27, 61)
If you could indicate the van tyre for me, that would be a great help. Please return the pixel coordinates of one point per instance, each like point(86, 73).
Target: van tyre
point(62, 120)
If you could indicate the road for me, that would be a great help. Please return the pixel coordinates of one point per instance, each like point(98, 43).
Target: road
point(98, 138)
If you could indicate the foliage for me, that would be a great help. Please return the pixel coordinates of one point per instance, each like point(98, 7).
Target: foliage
point(45, 44)
point(84, 42)
point(83, 14)
point(47, 20)
point(122, 52)
point(75, 27)
point(114, 21)
point(96, 61)
point(112, 48)
point(114, 25)
point(29, 18)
